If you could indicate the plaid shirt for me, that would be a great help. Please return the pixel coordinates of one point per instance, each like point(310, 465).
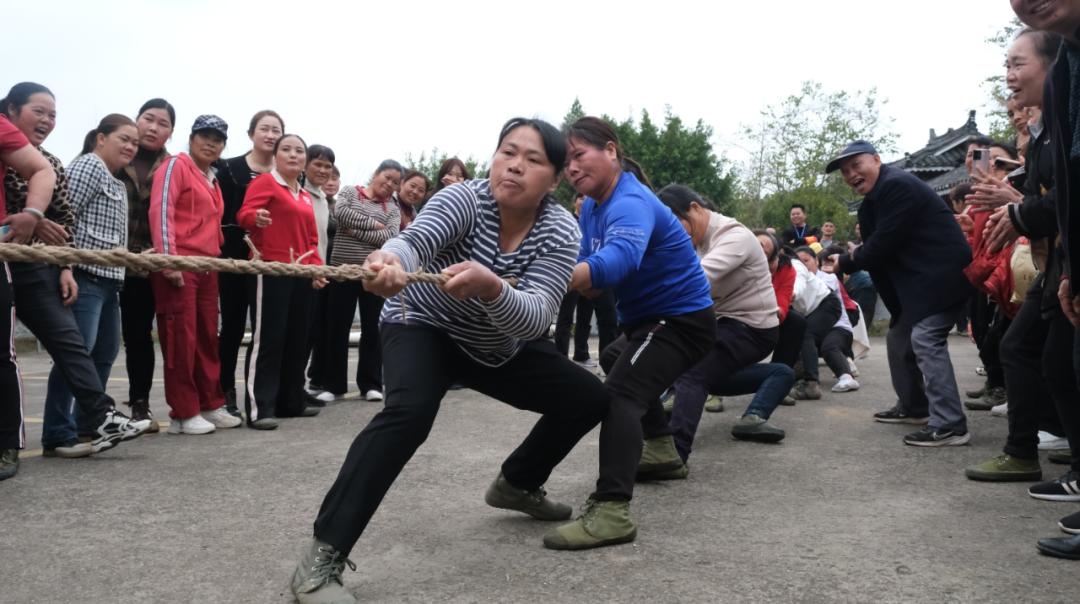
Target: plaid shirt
point(59, 210)
point(100, 204)
point(138, 200)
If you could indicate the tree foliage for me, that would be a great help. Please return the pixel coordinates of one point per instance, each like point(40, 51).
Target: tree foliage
point(429, 164)
point(790, 147)
point(670, 153)
point(998, 119)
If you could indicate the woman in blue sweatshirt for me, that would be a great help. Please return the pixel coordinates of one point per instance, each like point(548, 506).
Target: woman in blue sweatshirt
point(633, 243)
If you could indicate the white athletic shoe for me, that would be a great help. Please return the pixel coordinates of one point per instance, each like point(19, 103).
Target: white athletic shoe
point(846, 383)
point(329, 397)
point(1001, 410)
point(191, 425)
point(373, 395)
point(221, 418)
point(1049, 442)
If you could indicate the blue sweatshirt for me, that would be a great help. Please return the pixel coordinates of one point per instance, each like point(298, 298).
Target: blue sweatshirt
point(634, 243)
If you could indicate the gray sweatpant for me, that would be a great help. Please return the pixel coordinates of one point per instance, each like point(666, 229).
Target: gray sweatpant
point(922, 372)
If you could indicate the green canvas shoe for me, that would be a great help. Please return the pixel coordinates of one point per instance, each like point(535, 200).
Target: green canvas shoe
point(659, 457)
point(1006, 468)
point(505, 496)
point(601, 523)
point(317, 579)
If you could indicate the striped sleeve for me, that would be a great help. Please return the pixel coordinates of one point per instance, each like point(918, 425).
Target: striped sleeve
point(166, 187)
point(527, 312)
point(446, 219)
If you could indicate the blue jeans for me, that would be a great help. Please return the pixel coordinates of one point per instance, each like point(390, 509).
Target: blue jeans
point(97, 313)
point(768, 382)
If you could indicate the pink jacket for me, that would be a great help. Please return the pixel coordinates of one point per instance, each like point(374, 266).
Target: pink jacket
point(185, 210)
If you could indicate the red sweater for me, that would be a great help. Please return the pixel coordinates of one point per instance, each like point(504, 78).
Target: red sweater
point(783, 281)
point(292, 232)
point(185, 210)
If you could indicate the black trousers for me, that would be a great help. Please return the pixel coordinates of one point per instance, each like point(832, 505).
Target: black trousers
point(789, 343)
point(12, 433)
point(344, 297)
point(866, 297)
point(1036, 353)
point(737, 346)
point(981, 313)
point(280, 307)
point(136, 325)
point(641, 364)
point(990, 350)
point(819, 328)
point(235, 293)
point(575, 314)
point(39, 307)
point(317, 334)
point(570, 399)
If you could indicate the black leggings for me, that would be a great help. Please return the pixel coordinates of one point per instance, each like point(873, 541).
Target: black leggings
point(136, 323)
point(640, 365)
point(570, 399)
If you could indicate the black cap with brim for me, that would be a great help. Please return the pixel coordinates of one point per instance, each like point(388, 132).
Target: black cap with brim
point(854, 148)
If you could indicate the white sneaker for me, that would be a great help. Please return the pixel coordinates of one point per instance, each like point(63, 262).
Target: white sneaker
point(1001, 410)
point(191, 425)
point(329, 397)
point(373, 395)
point(221, 418)
point(1049, 442)
point(846, 383)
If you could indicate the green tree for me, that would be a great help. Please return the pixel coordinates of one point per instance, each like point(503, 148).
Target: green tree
point(791, 145)
point(998, 119)
point(672, 153)
point(429, 163)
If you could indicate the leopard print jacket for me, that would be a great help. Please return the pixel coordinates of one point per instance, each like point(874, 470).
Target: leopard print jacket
point(59, 211)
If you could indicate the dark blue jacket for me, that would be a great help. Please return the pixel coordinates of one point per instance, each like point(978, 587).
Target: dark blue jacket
point(912, 247)
point(1056, 120)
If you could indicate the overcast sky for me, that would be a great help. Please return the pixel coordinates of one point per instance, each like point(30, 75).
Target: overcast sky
point(378, 80)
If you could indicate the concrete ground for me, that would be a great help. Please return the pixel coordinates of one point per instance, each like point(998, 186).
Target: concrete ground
point(839, 511)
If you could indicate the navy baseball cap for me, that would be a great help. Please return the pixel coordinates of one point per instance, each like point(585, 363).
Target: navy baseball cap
point(854, 148)
point(211, 122)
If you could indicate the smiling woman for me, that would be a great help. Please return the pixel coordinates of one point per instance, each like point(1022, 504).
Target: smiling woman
point(475, 330)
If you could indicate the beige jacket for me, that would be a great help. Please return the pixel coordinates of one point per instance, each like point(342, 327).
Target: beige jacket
point(738, 273)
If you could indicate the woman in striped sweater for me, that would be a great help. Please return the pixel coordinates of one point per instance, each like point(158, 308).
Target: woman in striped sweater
point(367, 217)
point(476, 329)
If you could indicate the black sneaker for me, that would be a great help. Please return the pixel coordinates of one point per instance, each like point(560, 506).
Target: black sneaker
point(1061, 456)
point(1065, 488)
point(116, 428)
point(313, 401)
point(941, 437)
point(9, 463)
point(230, 404)
point(1070, 524)
point(140, 410)
point(899, 416)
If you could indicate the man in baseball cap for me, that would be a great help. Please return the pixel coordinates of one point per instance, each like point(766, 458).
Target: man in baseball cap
point(916, 255)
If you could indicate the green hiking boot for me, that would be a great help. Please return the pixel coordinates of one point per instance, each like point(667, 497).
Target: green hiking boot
point(317, 579)
point(1006, 468)
point(754, 427)
point(505, 496)
point(714, 404)
point(659, 458)
point(601, 523)
point(990, 399)
point(978, 393)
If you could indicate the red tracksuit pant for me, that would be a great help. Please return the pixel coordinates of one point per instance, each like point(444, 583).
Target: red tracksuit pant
point(187, 320)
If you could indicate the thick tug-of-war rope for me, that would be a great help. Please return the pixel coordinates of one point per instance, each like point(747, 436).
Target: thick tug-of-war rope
point(153, 263)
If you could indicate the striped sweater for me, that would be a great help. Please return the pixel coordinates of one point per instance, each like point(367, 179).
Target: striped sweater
point(461, 222)
point(358, 217)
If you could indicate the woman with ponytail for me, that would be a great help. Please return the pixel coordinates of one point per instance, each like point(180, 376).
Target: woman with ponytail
point(633, 243)
point(99, 201)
